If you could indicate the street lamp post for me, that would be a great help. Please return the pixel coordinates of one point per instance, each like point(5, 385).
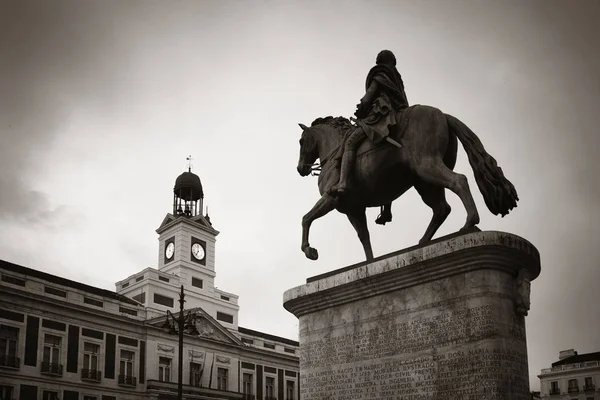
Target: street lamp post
point(177, 326)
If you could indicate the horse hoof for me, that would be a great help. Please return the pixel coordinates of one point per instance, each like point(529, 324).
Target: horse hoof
point(468, 227)
point(311, 253)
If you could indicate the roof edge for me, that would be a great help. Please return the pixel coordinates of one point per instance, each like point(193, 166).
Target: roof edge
point(19, 269)
point(268, 336)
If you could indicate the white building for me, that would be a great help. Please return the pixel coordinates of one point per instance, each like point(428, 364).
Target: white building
point(61, 339)
point(574, 376)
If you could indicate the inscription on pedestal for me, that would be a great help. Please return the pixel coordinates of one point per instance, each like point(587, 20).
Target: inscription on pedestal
point(433, 355)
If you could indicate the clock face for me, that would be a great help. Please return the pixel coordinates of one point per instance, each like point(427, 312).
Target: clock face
point(198, 251)
point(170, 250)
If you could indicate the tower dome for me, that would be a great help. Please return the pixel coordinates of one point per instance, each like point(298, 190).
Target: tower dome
point(188, 186)
point(188, 195)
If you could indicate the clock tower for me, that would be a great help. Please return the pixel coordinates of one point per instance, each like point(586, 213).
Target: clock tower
point(186, 237)
point(186, 257)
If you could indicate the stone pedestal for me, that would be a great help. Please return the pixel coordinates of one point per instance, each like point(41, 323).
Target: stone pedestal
point(441, 321)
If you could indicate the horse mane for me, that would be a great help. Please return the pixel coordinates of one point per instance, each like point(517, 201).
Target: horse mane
point(340, 124)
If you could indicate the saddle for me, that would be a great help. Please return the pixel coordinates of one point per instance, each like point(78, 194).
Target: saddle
point(396, 132)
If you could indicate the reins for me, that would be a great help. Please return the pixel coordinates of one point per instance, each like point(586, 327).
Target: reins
point(316, 168)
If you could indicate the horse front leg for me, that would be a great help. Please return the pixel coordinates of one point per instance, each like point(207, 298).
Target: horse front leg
point(325, 204)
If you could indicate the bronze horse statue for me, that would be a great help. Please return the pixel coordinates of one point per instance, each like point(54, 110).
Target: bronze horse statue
point(383, 172)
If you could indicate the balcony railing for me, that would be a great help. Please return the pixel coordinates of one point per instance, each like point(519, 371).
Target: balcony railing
point(127, 380)
point(10, 362)
point(554, 391)
point(565, 367)
point(52, 369)
point(589, 388)
point(573, 389)
point(91, 375)
point(249, 397)
point(270, 398)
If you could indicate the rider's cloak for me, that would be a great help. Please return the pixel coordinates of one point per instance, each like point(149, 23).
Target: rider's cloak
point(389, 99)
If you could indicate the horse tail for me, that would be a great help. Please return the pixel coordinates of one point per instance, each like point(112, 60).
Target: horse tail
point(498, 192)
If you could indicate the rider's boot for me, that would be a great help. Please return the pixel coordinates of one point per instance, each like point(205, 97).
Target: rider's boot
point(346, 168)
point(385, 215)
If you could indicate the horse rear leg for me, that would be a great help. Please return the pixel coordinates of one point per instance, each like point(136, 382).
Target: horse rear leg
point(434, 197)
point(325, 204)
point(432, 170)
point(358, 219)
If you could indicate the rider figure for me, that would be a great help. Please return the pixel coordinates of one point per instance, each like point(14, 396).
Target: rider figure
point(376, 115)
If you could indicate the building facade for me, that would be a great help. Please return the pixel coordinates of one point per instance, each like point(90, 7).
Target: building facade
point(573, 376)
point(61, 339)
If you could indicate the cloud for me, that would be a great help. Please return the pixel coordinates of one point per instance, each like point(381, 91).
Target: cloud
point(24, 205)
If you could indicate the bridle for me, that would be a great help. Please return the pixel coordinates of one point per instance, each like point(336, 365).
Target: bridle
point(317, 167)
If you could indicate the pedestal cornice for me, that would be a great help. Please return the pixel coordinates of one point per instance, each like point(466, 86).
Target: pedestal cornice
point(443, 258)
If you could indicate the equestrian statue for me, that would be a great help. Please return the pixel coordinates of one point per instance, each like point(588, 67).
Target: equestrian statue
point(389, 148)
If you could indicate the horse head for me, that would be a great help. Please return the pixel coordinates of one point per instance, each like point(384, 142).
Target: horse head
point(319, 141)
point(309, 151)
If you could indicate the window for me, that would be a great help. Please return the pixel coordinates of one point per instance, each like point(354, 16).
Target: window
point(140, 298)
point(139, 278)
point(163, 300)
point(90, 356)
point(6, 392)
point(195, 374)
point(269, 387)
point(291, 351)
point(197, 282)
point(224, 317)
point(8, 341)
point(573, 386)
point(162, 278)
point(589, 383)
point(554, 389)
point(248, 341)
point(52, 349)
point(247, 387)
point(247, 365)
point(222, 374)
point(164, 369)
point(128, 311)
point(126, 364)
point(271, 370)
point(226, 298)
point(90, 398)
point(93, 302)
point(55, 292)
point(13, 280)
point(128, 341)
point(269, 345)
point(49, 395)
point(123, 286)
point(92, 333)
point(289, 390)
point(57, 326)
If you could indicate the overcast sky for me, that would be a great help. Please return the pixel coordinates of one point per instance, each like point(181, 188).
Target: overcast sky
point(101, 102)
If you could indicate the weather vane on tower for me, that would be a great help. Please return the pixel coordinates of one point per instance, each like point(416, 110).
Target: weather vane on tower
point(189, 160)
